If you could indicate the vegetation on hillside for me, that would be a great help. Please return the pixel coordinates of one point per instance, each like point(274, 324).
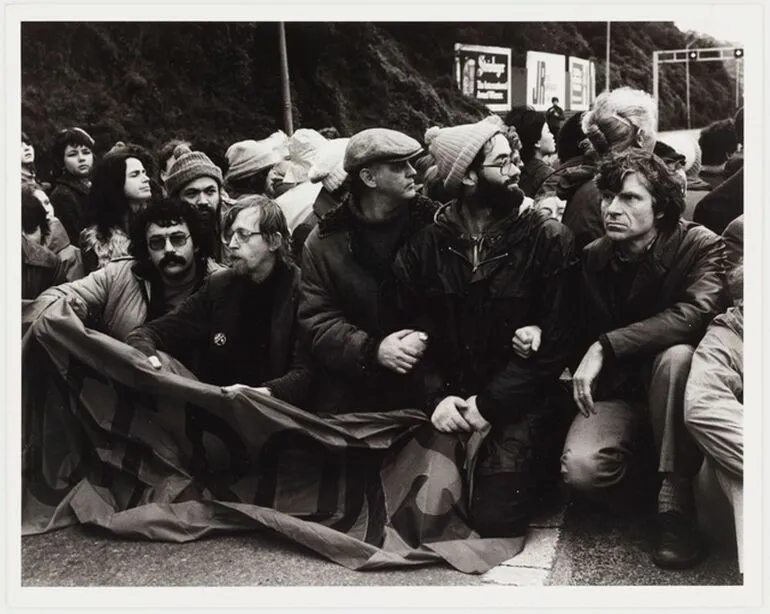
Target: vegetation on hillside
point(215, 83)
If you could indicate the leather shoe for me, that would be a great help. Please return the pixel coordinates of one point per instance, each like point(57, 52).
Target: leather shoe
point(680, 545)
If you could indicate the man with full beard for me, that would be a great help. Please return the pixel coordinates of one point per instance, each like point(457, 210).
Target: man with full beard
point(170, 260)
point(480, 273)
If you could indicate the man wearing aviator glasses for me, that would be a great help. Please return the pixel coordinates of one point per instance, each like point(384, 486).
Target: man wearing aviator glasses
point(170, 259)
point(240, 329)
point(483, 271)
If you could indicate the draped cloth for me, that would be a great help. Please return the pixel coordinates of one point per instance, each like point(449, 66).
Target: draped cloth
point(159, 455)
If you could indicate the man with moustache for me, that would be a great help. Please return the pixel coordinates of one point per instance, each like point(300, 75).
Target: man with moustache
point(479, 273)
point(650, 286)
point(170, 259)
point(240, 329)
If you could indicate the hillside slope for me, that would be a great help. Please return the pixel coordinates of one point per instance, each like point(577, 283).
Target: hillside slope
point(215, 83)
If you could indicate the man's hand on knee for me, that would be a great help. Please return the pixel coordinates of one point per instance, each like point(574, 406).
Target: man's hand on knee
point(447, 416)
point(585, 379)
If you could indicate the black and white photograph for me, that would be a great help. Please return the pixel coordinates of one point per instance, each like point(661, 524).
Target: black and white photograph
point(351, 298)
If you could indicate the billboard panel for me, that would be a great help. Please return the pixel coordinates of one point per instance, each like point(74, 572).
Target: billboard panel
point(579, 83)
point(484, 73)
point(545, 79)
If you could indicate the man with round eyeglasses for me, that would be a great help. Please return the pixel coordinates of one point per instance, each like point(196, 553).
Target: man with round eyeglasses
point(483, 272)
point(170, 259)
point(239, 330)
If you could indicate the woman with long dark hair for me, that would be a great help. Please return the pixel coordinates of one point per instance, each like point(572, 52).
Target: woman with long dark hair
point(121, 188)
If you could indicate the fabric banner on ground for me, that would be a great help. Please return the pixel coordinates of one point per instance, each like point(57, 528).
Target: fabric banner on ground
point(158, 455)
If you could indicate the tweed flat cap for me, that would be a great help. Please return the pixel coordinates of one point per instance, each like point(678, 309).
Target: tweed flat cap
point(378, 145)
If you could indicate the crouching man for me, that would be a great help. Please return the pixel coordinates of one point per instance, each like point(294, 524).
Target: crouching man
point(650, 287)
point(170, 260)
point(470, 280)
point(240, 329)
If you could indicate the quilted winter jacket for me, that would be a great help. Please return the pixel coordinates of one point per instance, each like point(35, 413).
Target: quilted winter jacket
point(341, 311)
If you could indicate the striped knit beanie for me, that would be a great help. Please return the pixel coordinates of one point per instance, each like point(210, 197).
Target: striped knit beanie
point(455, 148)
point(189, 165)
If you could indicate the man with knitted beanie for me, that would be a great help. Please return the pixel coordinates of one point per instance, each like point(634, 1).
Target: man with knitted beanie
point(472, 280)
point(195, 179)
point(345, 269)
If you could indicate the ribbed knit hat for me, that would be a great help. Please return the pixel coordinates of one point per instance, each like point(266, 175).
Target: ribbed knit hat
point(189, 165)
point(327, 167)
point(455, 148)
point(247, 158)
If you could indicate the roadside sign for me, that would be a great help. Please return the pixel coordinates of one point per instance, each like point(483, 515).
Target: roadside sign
point(484, 73)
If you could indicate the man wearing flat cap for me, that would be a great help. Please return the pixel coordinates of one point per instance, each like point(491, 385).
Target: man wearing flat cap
point(474, 280)
point(345, 268)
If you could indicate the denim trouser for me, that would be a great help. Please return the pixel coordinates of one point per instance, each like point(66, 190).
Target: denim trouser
point(598, 448)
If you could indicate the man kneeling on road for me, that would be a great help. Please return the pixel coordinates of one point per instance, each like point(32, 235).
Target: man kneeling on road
point(345, 272)
point(481, 271)
point(240, 329)
point(171, 260)
point(650, 287)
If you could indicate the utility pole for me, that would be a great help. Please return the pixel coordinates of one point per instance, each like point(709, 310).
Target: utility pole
point(285, 87)
point(687, 82)
point(607, 62)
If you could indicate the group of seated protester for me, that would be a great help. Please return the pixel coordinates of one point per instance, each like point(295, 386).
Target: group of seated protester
point(570, 313)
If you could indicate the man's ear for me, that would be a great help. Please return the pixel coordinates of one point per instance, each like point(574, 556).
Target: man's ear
point(471, 178)
point(274, 241)
point(368, 177)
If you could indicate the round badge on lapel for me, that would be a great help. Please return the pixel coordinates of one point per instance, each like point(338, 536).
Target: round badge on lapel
point(220, 339)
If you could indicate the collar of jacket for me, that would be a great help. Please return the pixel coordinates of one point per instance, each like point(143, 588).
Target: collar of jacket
point(494, 244)
point(420, 212)
point(660, 257)
point(73, 183)
point(146, 281)
point(508, 230)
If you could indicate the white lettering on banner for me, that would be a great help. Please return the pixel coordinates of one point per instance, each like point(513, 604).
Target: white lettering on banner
point(490, 95)
point(488, 65)
point(493, 86)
